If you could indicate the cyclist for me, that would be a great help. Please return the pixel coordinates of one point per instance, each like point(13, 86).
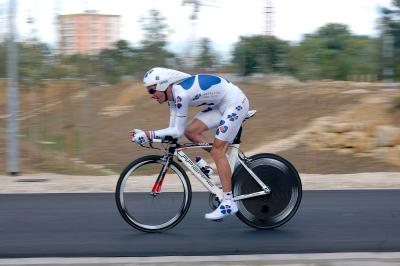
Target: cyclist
point(226, 107)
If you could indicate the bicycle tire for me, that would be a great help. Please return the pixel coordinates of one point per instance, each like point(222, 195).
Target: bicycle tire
point(134, 189)
point(278, 207)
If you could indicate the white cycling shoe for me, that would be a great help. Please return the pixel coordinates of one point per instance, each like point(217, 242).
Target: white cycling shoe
point(226, 208)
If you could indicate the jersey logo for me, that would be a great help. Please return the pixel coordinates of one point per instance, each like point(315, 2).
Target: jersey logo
point(221, 128)
point(196, 97)
point(178, 102)
point(206, 81)
point(148, 73)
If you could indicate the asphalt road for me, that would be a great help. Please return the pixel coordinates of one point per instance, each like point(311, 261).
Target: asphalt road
point(89, 225)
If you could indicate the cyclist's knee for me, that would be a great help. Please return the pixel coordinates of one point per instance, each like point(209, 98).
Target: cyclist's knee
point(190, 134)
point(218, 152)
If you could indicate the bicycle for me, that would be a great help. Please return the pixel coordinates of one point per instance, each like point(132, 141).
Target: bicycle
point(266, 187)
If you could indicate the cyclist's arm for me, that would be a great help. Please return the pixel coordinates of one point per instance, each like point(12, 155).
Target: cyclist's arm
point(172, 113)
point(177, 129)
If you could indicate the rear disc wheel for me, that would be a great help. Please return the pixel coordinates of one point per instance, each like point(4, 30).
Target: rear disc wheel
point(277, 207)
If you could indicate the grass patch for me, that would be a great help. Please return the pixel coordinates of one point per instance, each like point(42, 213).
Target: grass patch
point(396, 104)
point(46, 140)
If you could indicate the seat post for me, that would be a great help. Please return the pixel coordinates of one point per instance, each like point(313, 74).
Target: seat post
point(238, 136)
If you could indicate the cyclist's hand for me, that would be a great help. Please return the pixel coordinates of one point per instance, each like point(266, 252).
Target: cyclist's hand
point(139, 136)
point(132, 135)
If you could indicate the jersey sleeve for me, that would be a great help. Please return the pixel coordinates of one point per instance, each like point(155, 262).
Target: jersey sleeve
point(178, 121)
point(172, 113)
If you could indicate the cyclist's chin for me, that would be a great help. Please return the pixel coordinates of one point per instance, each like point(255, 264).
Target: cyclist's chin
point(160, 101)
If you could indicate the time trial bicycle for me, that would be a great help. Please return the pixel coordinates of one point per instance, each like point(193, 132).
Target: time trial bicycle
point(154, 193)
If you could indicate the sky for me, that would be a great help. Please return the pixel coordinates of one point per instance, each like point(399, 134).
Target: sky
point(222, 21)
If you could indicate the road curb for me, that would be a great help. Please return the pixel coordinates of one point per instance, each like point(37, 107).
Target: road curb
point(377, 258)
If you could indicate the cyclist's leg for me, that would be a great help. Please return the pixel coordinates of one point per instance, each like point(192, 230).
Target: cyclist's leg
point(218, 152)
point(194, 131)
point(230, 123)
point(227, 206)
point(202, 122)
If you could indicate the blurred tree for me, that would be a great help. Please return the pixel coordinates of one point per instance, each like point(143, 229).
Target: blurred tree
point(152, 51)
point(3, 59)
point(391, 26)
point(207, 58)
point(118, 61)
point(263, 54)
point(334, 53)
point(34, 63)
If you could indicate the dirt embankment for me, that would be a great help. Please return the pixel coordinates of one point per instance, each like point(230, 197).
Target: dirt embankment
point(74, 128)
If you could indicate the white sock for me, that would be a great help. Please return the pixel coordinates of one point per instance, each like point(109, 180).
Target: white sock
point(228, 196)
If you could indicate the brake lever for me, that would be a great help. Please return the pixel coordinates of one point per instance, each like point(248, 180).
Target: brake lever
point(150, 146)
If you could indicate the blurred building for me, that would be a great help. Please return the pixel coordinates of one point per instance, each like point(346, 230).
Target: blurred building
point(87, 33)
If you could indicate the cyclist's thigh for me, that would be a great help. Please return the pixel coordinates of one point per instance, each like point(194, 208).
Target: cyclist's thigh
point(210, 117)
point(197, 126)
point(232, 120)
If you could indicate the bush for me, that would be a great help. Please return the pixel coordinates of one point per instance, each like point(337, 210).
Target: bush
point(396, 103)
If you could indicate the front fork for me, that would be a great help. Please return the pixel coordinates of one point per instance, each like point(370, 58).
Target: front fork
point(160, 179)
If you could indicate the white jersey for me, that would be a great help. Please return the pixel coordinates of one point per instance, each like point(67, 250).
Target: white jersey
point(213, 92)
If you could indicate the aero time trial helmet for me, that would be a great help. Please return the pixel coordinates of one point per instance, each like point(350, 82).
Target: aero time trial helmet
point(163, 77)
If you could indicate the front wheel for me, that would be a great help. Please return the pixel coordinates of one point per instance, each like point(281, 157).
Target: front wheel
point(150, 206)
point(277, 207)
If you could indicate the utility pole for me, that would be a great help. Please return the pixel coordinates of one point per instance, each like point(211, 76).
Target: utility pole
point(387, 55)
point(269, 18)
point(12, 94)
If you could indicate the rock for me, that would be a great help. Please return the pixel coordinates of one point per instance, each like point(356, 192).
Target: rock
point(322, 124)
point(340, 127)
point(345, 151)
point(370, 129)
point(358, 126)
point(393, 155)
point(327, 139)
point(335, 141)
point(359, 141)
point(387, 136)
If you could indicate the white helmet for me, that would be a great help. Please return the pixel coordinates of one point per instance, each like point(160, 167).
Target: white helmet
point(163, 77)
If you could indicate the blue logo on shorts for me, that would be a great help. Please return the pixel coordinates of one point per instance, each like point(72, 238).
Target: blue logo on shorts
point(232, 117)
point(221, 128)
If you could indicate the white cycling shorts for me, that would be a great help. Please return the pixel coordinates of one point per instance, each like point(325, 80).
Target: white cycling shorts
point(227, 116)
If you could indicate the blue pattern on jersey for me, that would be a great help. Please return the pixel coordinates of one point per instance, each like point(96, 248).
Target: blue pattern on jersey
point(178, 102)
point(207, 110)
point(187, 83)
point(206, 81)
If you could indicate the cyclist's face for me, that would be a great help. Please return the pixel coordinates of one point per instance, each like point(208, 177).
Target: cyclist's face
point(155, 94)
